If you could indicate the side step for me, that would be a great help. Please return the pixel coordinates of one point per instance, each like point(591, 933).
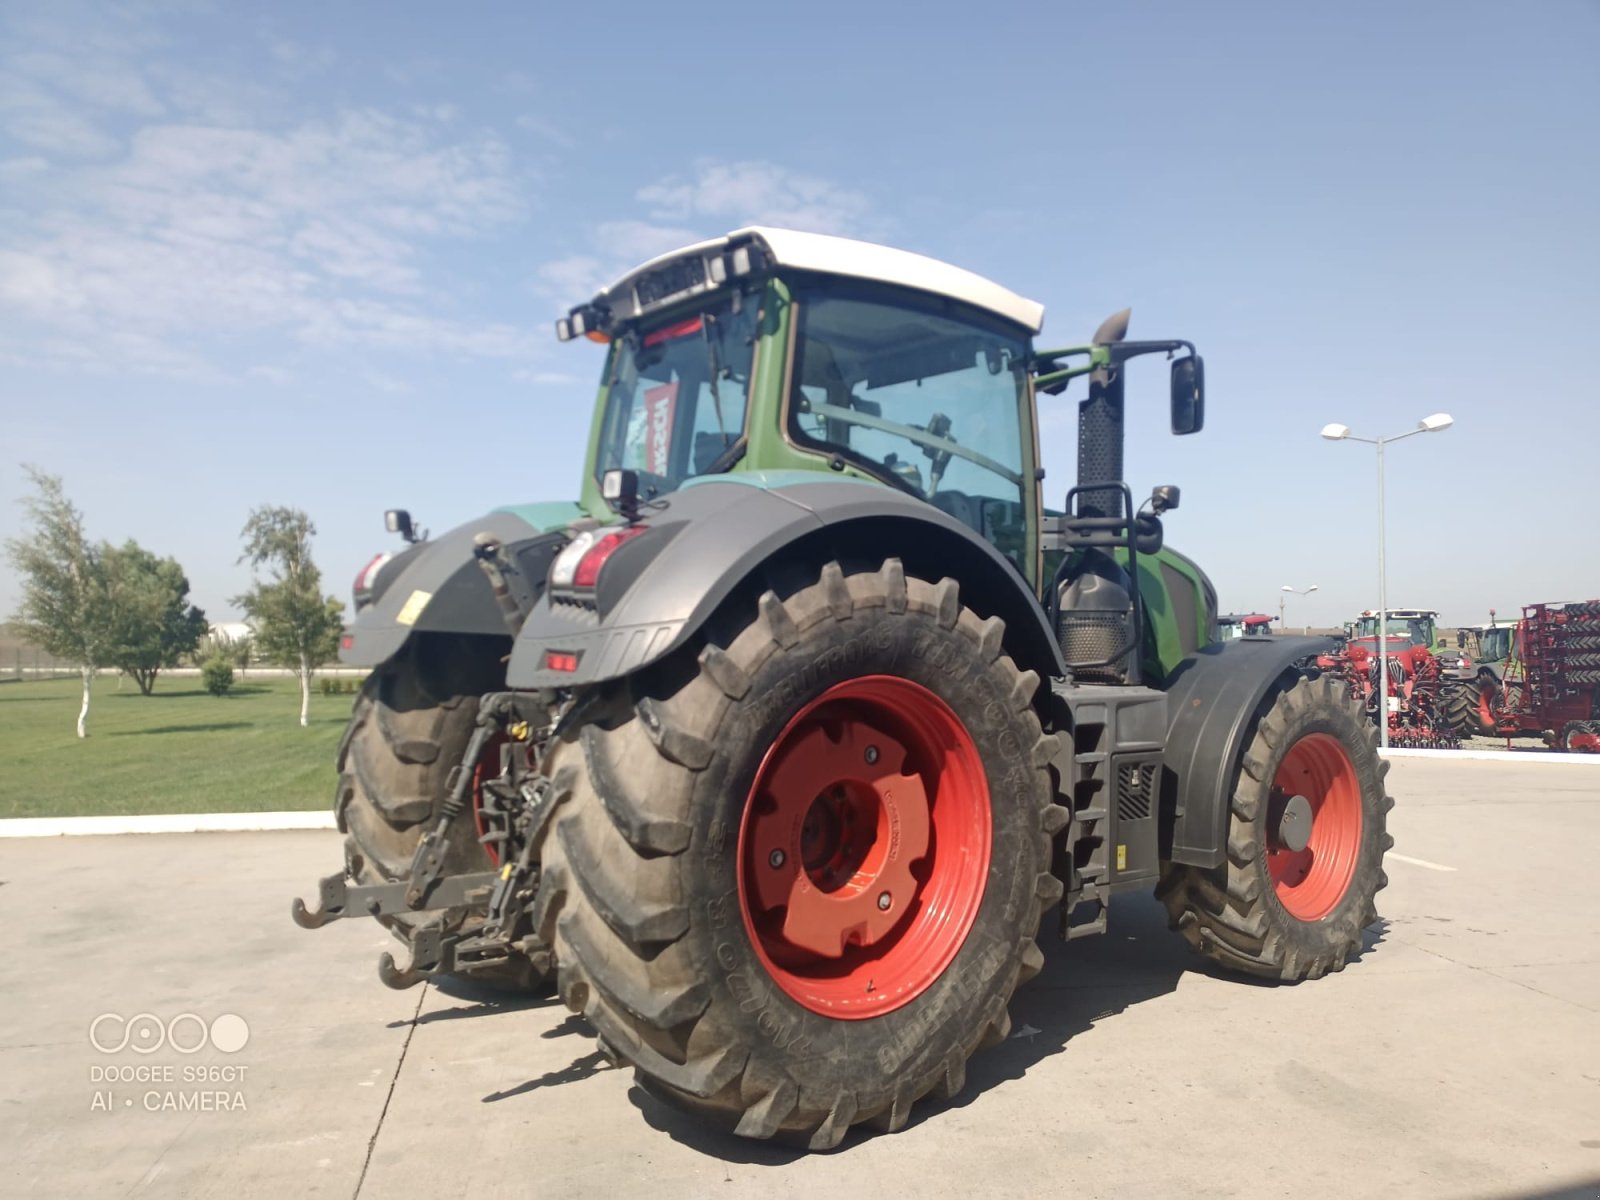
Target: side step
point(1109, 770)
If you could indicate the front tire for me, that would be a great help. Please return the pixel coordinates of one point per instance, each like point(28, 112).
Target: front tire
point(1272, 909)
point(714, 882)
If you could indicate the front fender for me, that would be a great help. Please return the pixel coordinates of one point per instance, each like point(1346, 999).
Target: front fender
point(1212, 699)
point(704, 542)
point(440, 587)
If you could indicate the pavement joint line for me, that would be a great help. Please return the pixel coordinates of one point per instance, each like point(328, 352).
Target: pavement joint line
point(1418, 862)
point(1496, 975)
point(394, 1080)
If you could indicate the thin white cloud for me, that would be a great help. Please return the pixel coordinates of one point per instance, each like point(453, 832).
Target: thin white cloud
point(165, 220)
point(322, 231)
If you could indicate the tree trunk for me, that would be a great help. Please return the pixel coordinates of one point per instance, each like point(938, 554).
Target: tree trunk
point(83, 713)
point(305, 688)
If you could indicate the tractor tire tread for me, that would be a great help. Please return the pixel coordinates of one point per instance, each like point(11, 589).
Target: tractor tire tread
point(612, 896)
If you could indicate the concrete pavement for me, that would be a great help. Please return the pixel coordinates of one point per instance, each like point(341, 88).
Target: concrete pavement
point(1458, 1057)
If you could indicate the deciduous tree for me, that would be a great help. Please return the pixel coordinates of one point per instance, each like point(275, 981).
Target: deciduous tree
point(66, 606)
point(292, 621)
point(152, 623)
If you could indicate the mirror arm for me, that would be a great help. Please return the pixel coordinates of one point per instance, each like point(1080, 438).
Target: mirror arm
point(1056, 381)
point(1121, 352)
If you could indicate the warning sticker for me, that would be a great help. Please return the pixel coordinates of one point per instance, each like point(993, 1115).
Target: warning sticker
point(412, 608)
point(659, 403)
point(1122, 858)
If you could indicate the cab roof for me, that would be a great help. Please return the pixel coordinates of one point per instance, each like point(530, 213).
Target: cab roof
point(824, 253)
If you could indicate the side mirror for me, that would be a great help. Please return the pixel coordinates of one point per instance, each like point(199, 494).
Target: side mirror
point(398, 520)
point(1188, 394)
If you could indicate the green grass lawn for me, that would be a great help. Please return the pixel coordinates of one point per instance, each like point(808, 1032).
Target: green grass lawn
point(179, 750)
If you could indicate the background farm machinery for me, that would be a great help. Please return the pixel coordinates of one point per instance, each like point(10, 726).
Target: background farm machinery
point(1540, 678)
point(1413, 696)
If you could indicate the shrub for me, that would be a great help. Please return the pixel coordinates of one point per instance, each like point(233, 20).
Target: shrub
point(217, 674)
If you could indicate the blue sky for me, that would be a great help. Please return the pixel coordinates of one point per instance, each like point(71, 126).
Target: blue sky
point(309, 255)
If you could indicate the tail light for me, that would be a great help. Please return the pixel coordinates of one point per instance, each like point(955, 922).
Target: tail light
point(579, 565)
point(362, 589)
point(590, 564)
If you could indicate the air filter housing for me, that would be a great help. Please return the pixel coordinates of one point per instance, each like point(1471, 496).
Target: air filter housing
point(1095, 622)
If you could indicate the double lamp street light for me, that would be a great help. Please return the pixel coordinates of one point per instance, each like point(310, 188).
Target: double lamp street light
point(1292, 591)
point(1341, 433)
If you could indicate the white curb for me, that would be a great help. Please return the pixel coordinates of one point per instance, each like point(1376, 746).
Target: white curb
point(1515, 756)
point(243, 822)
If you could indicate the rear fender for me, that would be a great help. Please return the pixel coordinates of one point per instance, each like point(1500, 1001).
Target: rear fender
point(705, 544)
point(438, 586)
point(1212, 700)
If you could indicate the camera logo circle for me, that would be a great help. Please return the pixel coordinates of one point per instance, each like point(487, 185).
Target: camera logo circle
point(187, 1033)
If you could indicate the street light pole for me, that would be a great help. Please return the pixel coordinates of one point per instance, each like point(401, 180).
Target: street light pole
point(1341, 433)
point(1284, 599)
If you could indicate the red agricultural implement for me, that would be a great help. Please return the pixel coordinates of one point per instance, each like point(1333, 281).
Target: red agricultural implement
point(1551, 684)
point(1413, 697)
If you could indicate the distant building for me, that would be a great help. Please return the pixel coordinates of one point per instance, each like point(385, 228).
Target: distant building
point(230, 631)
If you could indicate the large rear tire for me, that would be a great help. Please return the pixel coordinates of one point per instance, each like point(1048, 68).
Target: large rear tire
point(409, 729)
point(795, 882)
point(1465, 706)
point(1271, 909)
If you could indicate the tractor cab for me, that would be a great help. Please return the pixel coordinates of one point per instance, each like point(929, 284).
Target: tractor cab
point(1408, 628)
point(772, 350)
point(1244, 625)
point(771, 356)
point(1484, 645)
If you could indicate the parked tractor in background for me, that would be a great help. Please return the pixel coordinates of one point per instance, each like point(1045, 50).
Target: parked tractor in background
point(1412, 699)
point(773, 750)
point(1471, 682)
point(1547, 685)
point(1242, 625)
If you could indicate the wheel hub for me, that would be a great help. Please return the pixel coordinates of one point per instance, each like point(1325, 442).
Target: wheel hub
point(1313, 826)
point(864, 847)
point(1290, 822)
point(839, 825)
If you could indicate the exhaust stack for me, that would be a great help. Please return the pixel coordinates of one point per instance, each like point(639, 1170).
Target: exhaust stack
point(1100, 429)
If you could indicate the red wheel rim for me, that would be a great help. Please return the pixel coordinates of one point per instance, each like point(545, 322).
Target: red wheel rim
point(488, 764)
point(1311, 882)
point(864, 847)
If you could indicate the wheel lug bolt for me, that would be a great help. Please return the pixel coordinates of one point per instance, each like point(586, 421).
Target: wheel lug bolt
point(884, 900)
point(776, 859)
point(872, 757)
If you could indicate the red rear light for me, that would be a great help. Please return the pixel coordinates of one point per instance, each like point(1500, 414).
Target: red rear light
point(589, 566)
point(367, 576)
point(560, 660)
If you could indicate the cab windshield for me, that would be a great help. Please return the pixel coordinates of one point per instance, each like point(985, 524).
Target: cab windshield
point(920, 392)
point(1495, 644)
point(1415, 631)
point(677, 396)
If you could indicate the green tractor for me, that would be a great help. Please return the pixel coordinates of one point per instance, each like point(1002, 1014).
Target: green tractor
point(773, 750)
point(1475, 677)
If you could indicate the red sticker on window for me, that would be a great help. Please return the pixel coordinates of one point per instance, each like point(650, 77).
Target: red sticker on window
point(658, 405)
